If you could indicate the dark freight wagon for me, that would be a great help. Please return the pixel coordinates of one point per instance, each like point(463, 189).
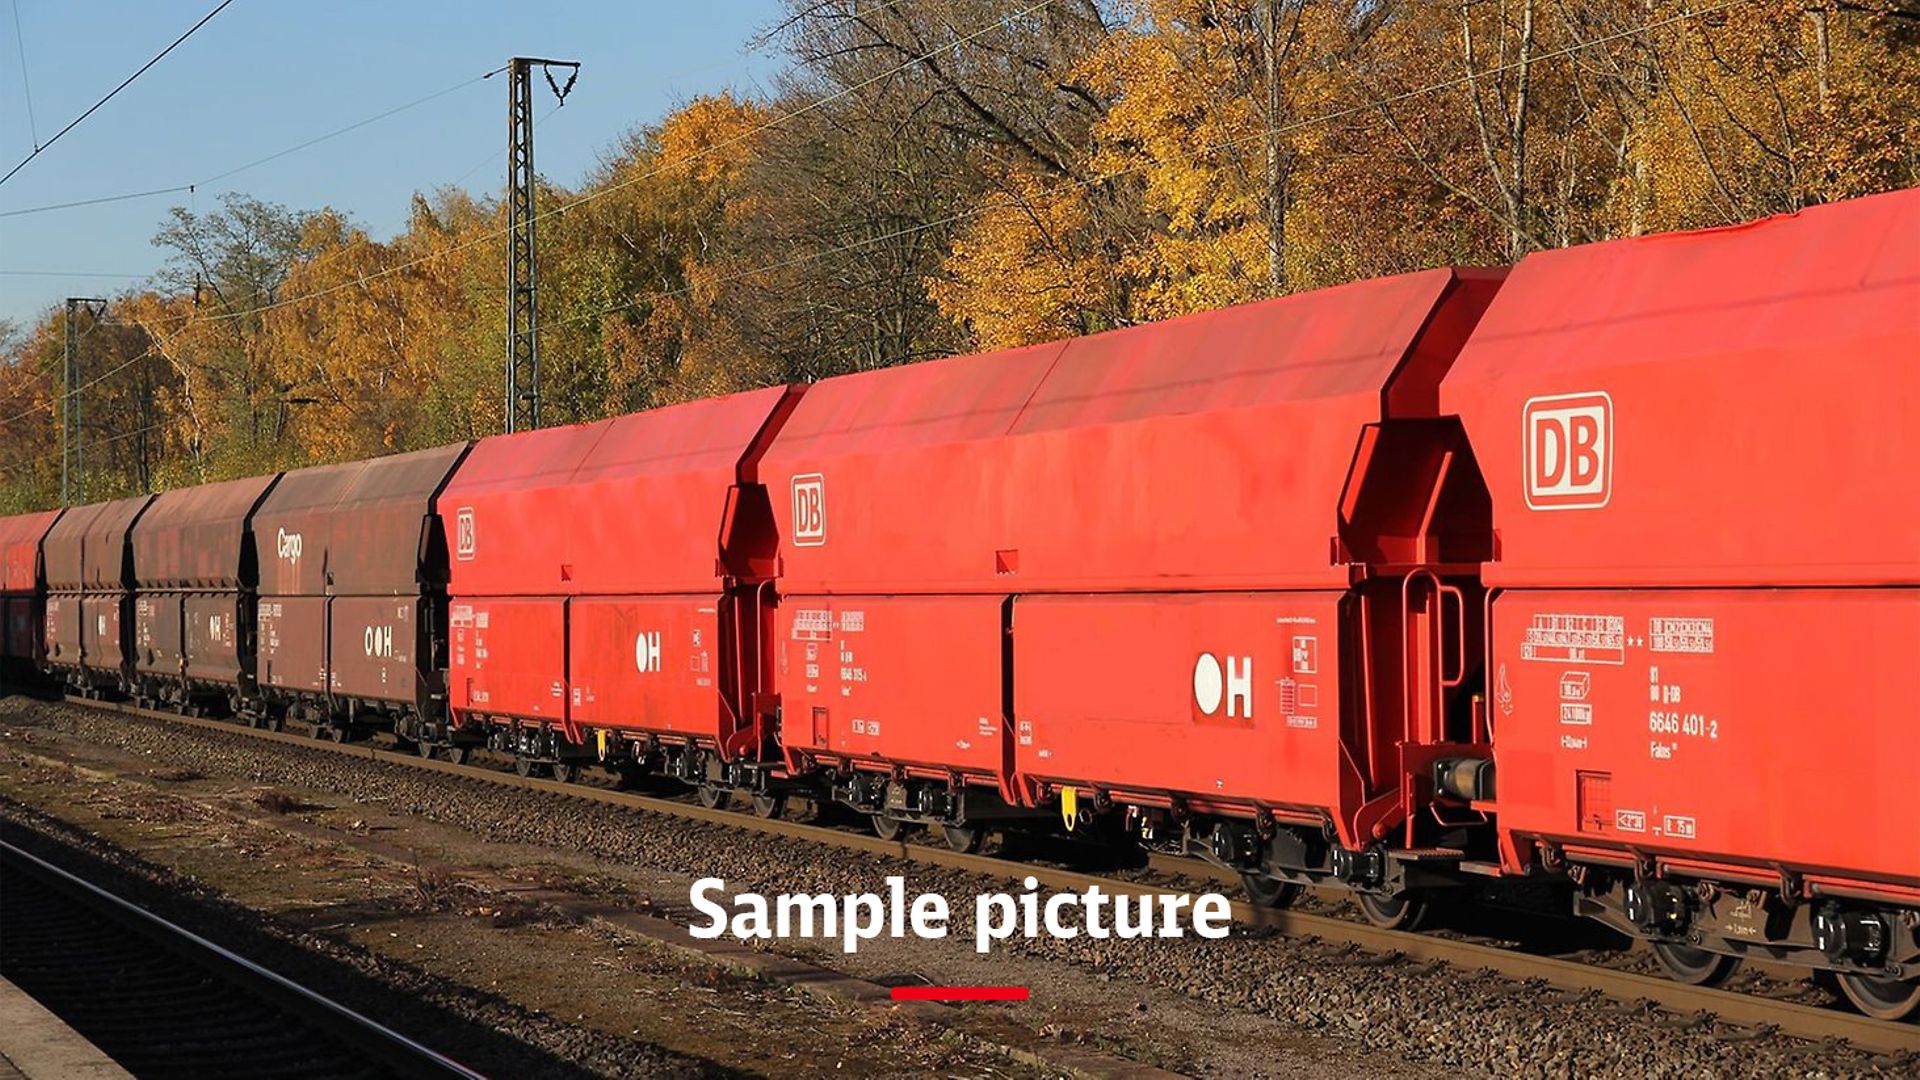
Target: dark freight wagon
point(89, 616)
point(195, 571)
point(352, 608)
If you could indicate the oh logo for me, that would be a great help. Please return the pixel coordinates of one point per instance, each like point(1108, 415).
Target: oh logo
point(378, 641)
point(646, 651)
point(1569, 451)
point(1230, 687)
point(809, 510)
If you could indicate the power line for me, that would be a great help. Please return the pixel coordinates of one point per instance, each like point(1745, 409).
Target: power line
point(69, 273)
point(128, 81)
point(96, 201)
point(355, 126)
point(26, 85)
point(275, 156)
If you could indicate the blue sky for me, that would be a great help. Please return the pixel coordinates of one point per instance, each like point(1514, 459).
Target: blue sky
point(268, 74)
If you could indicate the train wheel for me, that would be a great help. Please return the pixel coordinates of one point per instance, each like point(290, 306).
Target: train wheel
point(523, 765)
point(1269, 892)
point(459, 755)
point(769, 806)
point(426, 749)
point(1695, 967)
point(566, 772)
point(1882, 999)
point(966, 839)
point(1406, 911)
point(339, 733)
point(888, 828)
point(713, 798)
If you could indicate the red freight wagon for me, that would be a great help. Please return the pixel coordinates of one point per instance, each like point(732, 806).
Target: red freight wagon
point(1197, 560)
point(352, 601)
point(1704, 464)
point(195, 572)
point(608, 596)
point(21, 617)
point(89, 566)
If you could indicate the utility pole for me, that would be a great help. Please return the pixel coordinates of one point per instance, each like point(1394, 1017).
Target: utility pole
point(73, 472)
point(523, 339)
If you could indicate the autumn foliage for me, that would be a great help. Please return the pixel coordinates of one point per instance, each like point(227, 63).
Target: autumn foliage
point(934, 176)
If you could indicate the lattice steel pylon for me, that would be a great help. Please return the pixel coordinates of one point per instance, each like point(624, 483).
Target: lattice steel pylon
point(523, 320)
point(73, 464)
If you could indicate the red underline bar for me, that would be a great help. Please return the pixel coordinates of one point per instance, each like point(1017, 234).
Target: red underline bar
point(960, 993)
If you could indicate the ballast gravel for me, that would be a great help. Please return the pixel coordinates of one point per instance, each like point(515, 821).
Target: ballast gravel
point(1428, 1016)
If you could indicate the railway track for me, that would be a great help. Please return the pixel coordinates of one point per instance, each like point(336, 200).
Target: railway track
point(1758, 1014)
point(164, 1002)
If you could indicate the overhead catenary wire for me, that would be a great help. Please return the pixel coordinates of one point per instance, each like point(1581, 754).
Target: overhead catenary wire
point(977, 211)
point(128, 81)
point(26, 84)
point(275, 156)
point(70, 273)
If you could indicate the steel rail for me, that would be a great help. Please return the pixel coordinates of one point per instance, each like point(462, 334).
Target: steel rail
point(365, 1035)
point(1788, 1018)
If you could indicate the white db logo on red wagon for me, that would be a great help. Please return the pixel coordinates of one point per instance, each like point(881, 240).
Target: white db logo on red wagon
point(809, 510)
point(463, 537)
point(1569, 451)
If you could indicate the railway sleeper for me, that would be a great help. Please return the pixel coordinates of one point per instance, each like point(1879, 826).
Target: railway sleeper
point(1700, 931)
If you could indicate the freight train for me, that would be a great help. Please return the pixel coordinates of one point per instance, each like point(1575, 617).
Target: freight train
point(1598, 571)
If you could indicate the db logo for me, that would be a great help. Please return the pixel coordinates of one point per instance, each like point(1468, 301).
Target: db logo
point(463, 534)
point(1569, 451)
point(809, 510)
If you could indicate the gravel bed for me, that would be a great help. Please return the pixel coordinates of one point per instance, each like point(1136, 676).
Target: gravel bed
point(1430, 1014)
point(483, 1031)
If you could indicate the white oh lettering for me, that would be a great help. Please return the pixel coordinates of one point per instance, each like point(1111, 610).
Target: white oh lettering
point(1232, 686)
point(379, 642)
point(646, 651)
